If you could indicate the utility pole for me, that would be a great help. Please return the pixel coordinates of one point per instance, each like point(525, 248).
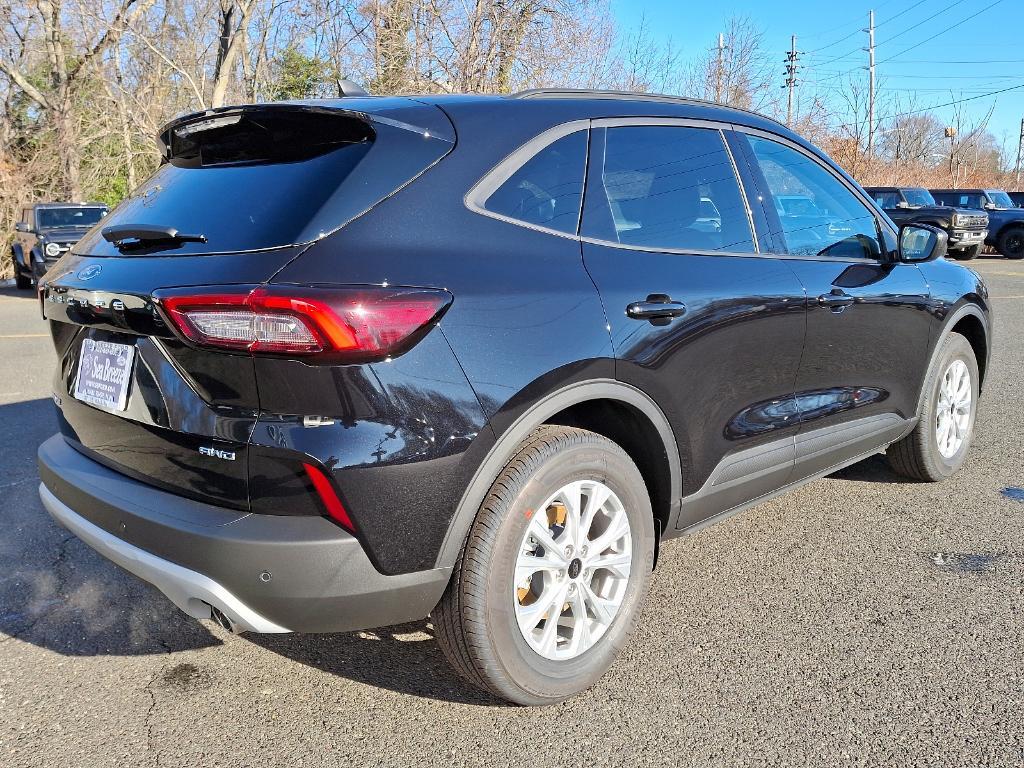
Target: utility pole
point(871, 82)
point(791, 67)
point(1020, 150)
point(719, 68)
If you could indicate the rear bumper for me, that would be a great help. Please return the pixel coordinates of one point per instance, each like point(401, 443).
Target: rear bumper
point(265, 573)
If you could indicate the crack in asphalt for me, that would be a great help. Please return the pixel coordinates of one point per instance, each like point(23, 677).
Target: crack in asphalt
point(148, 719)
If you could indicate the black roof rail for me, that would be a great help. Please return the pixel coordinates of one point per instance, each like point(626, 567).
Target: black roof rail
point(596, 93)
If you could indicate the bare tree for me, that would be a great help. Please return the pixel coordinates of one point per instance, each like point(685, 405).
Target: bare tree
point(65, 70)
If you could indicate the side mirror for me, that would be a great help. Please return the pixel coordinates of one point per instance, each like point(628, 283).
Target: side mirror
point(921, 242)
point(902, 204)
point(990, 206)
point(21, 226)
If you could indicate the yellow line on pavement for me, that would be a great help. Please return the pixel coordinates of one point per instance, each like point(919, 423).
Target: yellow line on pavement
point(24, 335)
point(1008, 297)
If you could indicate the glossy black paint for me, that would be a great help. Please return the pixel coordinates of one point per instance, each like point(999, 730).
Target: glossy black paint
point(754, 361)
point(710, 364)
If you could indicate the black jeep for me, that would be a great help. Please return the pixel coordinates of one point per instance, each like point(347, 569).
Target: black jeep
point(1006, 220)
point(46, 232)
point(913, 205)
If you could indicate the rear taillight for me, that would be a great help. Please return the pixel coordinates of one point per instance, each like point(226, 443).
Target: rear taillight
point(348, 323)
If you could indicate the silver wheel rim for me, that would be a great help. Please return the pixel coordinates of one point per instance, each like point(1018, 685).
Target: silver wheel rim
point(572, 570)
point(953, 411)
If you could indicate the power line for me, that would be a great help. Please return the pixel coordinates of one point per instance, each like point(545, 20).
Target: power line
point(947, 104)
point(858, 31)
point(845, 24)
point(944, 31)
point(924, 21)
point(905, 10)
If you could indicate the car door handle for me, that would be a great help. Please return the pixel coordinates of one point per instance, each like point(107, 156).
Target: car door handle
point(657, 306)
point(837, 298)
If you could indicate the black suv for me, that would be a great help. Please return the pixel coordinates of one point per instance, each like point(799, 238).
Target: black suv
point(348, 363)
point(1005, 219)
point(965, 228)
point(47, 231)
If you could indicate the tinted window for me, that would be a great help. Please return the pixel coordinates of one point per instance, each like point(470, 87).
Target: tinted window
point(1001, 199)
point(886, 199)
point(265, 181)
point(962, 199)
point(920, 197)
point(547, 190)
point(665, 187)
point(831, 221)
point(70, 217)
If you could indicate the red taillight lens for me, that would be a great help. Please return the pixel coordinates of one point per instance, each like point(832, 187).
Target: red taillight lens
point(324, 489)
point(350, 323)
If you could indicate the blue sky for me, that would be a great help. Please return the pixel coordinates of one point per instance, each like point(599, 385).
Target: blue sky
point(988, 32)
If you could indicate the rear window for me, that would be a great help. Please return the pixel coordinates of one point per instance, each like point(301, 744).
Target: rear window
point(271, 177)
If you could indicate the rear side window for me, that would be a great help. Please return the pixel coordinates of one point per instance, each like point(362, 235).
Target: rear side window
point(271, 177)
point(665, 187)
point(547, 190)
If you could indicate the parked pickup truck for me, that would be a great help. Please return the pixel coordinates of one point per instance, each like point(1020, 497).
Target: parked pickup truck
point(1005, 220)
point(45, 232)
point(966, 228)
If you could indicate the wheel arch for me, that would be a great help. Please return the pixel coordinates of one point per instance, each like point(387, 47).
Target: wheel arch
point(972, 322)
point(1014, 224)
point(620, 412)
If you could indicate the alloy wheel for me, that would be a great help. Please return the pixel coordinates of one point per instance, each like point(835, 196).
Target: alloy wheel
point(572, 570)
point(953, 411)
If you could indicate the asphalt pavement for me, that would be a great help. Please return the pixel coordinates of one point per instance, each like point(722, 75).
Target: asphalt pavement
point(861, 620)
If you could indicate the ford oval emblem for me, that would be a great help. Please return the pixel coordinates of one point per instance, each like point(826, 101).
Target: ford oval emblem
point(90, 272)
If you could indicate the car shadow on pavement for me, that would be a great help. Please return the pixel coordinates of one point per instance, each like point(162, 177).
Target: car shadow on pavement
point(874, 469)
point(17, 293)
point(403, 658)
point(55, 592)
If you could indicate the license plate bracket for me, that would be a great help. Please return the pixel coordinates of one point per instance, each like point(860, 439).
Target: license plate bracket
point(104, 374)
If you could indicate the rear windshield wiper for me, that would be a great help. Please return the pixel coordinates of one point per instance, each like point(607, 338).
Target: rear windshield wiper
point(134, 236)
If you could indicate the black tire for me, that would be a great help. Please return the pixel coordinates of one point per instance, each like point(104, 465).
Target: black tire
point(21, 281)
point(1011, 243)
point(917, 456)
point(475, 622)
point(967, 254)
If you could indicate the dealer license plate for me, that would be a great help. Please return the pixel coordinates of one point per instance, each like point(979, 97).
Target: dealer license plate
point(104, 374)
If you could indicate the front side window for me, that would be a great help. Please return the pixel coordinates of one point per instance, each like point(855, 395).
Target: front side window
point(547, 190)
point(1000, 198)
point(665, 187)
point(817, 214)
